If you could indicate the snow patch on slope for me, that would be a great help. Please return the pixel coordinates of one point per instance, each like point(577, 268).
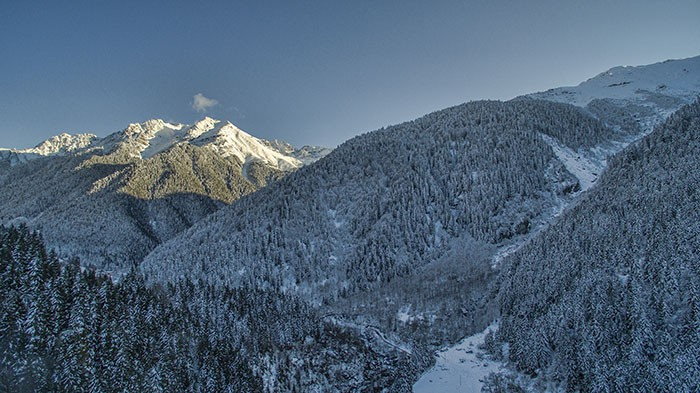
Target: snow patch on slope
point(337, 223)
point(163, 139)
point(309, 154)
point(461, 368)
point(582, 164)
point(143, 140)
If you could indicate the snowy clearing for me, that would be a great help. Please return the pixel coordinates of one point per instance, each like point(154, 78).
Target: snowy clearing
point(458, 368)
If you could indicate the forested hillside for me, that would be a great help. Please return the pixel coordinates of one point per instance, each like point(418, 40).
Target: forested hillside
point(607, 298)
point(633, 99)
point(112, 210)
point(111, 200)
point(386, 203)
point(249, 272)
point(63, 328)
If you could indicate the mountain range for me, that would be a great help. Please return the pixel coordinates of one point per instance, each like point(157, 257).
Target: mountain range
point(400, 202)
point(111, 200)
point(566, 214)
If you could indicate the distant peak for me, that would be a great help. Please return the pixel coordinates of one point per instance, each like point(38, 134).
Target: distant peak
point(230, 127)
point(201, 126)
point(206, 122)
point(154, 124)
point(678, 80)
point(148, 138)
point(63, 143)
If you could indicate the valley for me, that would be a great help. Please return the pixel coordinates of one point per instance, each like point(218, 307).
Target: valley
point(568, 216)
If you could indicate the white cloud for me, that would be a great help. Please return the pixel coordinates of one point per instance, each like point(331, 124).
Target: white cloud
point(200, 103)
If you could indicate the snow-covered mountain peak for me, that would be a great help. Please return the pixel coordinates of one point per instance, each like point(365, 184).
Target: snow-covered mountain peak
point(679, 79)
point(229, 140)
point(201, 127)
point(58, 145)
point(281, 146)
point(148, 128)
point(146, 139)
point(63, 143)
point(134, 130)
point(228, 128)
point(154, 124)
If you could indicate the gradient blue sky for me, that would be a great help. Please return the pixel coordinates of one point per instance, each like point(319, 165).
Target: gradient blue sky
point(308, 72)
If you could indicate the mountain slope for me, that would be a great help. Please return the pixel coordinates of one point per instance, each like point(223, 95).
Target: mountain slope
point(674, 79)
point(85, 211)
point(607, 299)
point(385, 203)
point(112, 200)
point(631, 100)
point(634, 99)
point(57, 145)
point(403, 227)
point(69, 329)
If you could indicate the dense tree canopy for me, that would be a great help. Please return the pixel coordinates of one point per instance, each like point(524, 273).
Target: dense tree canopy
point(608, 299)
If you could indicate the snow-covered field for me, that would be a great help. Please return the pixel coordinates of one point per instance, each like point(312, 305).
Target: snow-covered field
point(461, 368)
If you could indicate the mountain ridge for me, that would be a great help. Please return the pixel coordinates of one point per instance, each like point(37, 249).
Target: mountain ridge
point(614, 305)
point(393, 205)
point(110, 200)
point(405, 235)
point(674, 77)
point(146, 139)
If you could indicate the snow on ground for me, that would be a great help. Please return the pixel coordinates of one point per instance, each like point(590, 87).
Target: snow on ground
point(560, 205)
point(373, 330)
point(229, 140)
point(147, 139)
point(585, 166)
point(404, 315)
point(458, 368)
point(163, 139)
point(676, 78)
point(244, 171)
point(505, 251)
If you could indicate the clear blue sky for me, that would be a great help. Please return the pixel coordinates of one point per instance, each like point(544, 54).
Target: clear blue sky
point(308, 72)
